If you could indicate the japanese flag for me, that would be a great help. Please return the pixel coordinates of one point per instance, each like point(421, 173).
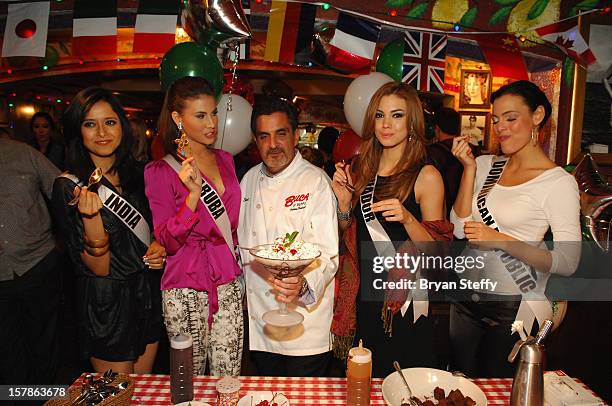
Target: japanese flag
point(25, 33)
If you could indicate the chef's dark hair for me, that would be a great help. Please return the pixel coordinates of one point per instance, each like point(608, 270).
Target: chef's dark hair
point(531, 94)
point(272, 105)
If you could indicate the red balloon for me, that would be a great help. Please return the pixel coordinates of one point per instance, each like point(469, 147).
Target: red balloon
point(26, 29)
point(347, 146)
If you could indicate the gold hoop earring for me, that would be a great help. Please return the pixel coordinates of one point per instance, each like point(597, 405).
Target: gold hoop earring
point(182, 142)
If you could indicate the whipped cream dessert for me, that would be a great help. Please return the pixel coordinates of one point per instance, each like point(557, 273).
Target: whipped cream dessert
point(289, 248)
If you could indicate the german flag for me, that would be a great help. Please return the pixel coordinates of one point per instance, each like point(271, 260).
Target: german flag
point(290, 30)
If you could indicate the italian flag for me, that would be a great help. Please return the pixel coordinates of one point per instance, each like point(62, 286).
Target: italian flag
point(94, 27)
point(155, 26)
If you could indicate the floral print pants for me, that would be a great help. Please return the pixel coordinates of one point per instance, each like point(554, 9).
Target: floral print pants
point(186, 311)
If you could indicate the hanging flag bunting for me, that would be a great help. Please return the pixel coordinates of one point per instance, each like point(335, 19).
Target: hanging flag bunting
point(353, 44)
point(155, 28)
point(566, 36)
point(290, 31)
point(246, 44)
point(503, 55)
point(424, 61)
point(94, 28)
point(25, 32)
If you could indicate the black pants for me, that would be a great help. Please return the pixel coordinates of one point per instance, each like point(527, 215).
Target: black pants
point(481, 339)
point(270, 364)
point(29, 307)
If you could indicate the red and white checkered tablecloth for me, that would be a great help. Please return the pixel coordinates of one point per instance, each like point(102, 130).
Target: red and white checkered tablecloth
point(155, 389)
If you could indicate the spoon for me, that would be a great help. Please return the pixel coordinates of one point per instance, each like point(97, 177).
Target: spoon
point(397, 367)
point(95, 177)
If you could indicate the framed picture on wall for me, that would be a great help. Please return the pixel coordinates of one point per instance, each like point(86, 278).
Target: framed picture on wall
point(476, 125)
point(475, 89)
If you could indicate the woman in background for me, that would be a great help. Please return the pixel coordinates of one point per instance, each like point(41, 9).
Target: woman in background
point(202, 292)
point(140, 151)
point(108, 239)
point(44, 139)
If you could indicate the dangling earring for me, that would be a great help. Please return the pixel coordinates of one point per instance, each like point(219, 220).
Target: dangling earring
point(412, 133)
point(182, 143)
point(534, 136)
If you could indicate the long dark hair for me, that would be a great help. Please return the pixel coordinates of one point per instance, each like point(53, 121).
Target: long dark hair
point(45, 116)
point(407, 169)
point(78, 160)
point(53, 136)
point(180, 91)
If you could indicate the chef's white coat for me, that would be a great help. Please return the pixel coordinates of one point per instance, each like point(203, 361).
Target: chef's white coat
point(300, 198)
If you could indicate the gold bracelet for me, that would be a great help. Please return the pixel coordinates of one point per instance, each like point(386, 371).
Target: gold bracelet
point(102, 242)
point(96, 252)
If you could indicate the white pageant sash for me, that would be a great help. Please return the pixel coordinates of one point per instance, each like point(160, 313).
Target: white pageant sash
point(122, 209)
point(384, 248)
point(524, 276)
point(214, 205)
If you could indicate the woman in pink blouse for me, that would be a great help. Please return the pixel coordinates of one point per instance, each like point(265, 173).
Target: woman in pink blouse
point(195, 200)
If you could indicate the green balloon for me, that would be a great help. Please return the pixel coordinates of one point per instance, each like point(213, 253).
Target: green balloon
point(191, 59)
point(391, 58)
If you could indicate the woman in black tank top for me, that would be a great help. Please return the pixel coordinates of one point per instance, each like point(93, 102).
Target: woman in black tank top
point(390, 195)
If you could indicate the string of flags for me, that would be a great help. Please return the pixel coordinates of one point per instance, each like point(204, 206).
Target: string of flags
point(289, 32)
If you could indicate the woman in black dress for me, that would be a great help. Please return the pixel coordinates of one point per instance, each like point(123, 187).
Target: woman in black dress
point(108, 236)
point(390, 195)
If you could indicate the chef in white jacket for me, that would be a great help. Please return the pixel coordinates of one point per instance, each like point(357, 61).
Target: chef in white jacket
point(284, 194)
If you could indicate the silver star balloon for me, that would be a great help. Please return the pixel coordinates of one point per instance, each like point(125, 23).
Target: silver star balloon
point(595, 201)
point(215, 22)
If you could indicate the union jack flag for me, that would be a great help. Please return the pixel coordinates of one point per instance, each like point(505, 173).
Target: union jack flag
point(424, 61)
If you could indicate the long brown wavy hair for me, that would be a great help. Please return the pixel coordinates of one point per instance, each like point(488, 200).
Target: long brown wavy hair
point(401, 183)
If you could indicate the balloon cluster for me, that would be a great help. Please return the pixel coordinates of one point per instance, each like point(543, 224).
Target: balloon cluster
point(211, 24)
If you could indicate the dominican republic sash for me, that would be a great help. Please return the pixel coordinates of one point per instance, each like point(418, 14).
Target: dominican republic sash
point(524, 276)
point(122, 209)
point(214, 205)
point(384, 248)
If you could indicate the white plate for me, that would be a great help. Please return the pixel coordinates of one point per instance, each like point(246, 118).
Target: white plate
point(259, 396)
point(193, 403)
point(423, 381)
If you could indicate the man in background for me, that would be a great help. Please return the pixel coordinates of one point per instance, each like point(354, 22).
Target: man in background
point(30, 281)
point(446, 127)
point(326, 141)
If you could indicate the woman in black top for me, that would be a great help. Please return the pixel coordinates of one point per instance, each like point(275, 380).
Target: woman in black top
point(395, 191)
point(118, 298)
point(44, 139)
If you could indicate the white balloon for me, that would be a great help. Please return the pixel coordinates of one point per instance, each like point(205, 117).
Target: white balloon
point(234, 133)
point(358, 95)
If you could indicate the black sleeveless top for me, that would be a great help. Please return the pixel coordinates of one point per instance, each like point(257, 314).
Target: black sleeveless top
point(394, 229)
point(410, 344)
